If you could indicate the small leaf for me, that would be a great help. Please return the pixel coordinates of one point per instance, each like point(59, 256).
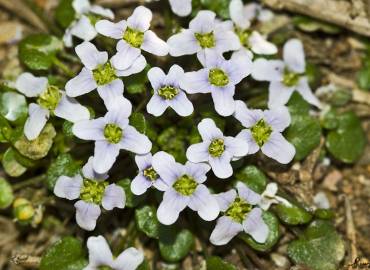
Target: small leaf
point(131, 199)
point(221, 7)
point(254, 178)
point(13, 107)
point(11, 166)
point(292, 215)
point(64, 164)
point(6, 194)
point(147, 222)
point(137, 120)
point(135, 84)
point(65, 13)
point(297, 105)
point(216, 263)
point(308, 24)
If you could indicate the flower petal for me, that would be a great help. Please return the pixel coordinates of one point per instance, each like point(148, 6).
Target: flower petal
point(221, 166)
point(224, 199)
point(156, 77)
point(208, 130)
point(88, 171)
point(174, 76)
point(278, 118)
point(239, 67)
point(140, 185)
point(99, 252)
point(103, 12)
point(247, 194)
point(181, 7)
point(246, 116)
point(293, 55)
point(204, 22)
point(181, 104)
point(279, 94)
point(153, 44)
point(87, 214)
point(198, 152)
point(69, 109)
point(246, 135)
point(113, 98)
point(304, 89)
point(111, 29)
point(237, 147)
point(197, 171)
point(196, 82)
point(83, 83)
point(204, 203)
point(137, 66)
point(143, 161)
point(165, 165)
point(183, 43)
point(140, 19)
point(89, 129)
point(260, 45)
point(224, 231)
point(237, 14)
point(68, 187)
point(135, 142)
point(223, 98)
point(125, 57)
point(129, 259)
point(114, 196)
point(156, 105)
point(83, 29)
point(105, 154)
point(278, 148)
point(30, 85)
point(255, 226)
point(36, 121)
point(171, 206)
point(90, 56)
point(268, 70)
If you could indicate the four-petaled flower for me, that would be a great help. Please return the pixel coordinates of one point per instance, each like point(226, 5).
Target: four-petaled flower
point(269, 196)
point(216, 149)
point(181, 8)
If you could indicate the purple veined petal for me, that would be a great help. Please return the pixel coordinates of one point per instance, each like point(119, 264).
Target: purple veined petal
point(268, 70)
point(183, 43)
point(225, 199)
point(129, 259)
point(89, 129)
point(223, 99)
point(105, 154)
point(154, 45)
point(156, 105)
point(140, 184)
point(30, 85)
point(204, 203)
point(118, 115)
point(99, 252)
point(87, 214)
point(260, 45)
point(140, 19)
point(68, 187)
point(143, 161)
point(156, 77)
point(111, 29)
point(171, 206)
point(246, 116)
point(137, 66)
point(165, 165)
point(36, 121)
point(224, 231)
point(226, 41)
point(246, 135)
point(104, 12)
point(238, 68)
point(247, 194)
point(208, 130)
point(125, 57)
point(204, 22)
point(237, 14)
point(304, 89)
point(83, 29)
point(181, 8)
point(255, 226)
point(82, 84)
point(278, 118)
point(174, 75)
point(197, 171)
point(237, 147)
point(198, 152)
point(196, 82)
point(181, 104)
point(221, 166)
point(90, 56)
point(293, 55)
point(114, 196)
point(69, 109)
point(279, 94)
point(134, 141)
point(89, 173)
point(278, 148)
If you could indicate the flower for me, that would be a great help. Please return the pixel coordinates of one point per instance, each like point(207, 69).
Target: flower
point(111, 133)
point(216, 149)
point(85, 18)
point(185, 188)
point(269, 197)
point(100, 74)
point(244, 15)
point(286, 76)
point(239, 215)
point(263, 131)
point(204, 34)
point(181, 7)
point(218, 77)
point(49, 99)
point(134, 34)
point(167, 92)
point(101, 257)
point(92, 191)
point(147, 176)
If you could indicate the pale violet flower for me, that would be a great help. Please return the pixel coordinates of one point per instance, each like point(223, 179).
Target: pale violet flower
point(239, 213)
point(92, 191)
point(185, 188)
point(111, 133)
point(49, 101)
point(216, 149)
point(204, 34)
point(286, 76)
point(218, 77)
point(101, 257)
point(147, 176)
point(99, 73)
point(181, 8)
point(133, 35)
point(83, 26)
point(167, 92)
point(263, 131)
point(269, 196)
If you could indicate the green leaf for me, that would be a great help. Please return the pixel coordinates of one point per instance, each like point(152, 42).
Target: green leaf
point(135, 84)
point(253, 177)
point(221, 7)
point(144, 265)
point(319, 247)
point(297, 105)
point(37, 51)
point(65, 13)
point(64, 164)
point(329, 120)
point(5, 129)
point(131, 199)
point(65, 254)
point(274, 234)
point(174, 245)
point(348, 141)
point(6, 194)
point(147, 222)
point(324, 213)
point(292, 215)
point(13, 107)
point(137, 120)
point(216, 263)
point(363, 76)
point(11, 165)
point(308, 24)
point(173, 141)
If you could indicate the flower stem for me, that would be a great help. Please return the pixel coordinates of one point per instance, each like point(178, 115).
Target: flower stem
point(29, 182)
point(63, 67)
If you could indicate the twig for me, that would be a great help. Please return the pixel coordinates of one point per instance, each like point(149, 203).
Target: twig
point(26, 261)
point(29, 182)
point(351, 230)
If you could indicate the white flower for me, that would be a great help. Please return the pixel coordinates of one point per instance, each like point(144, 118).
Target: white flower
point(167, 92)
point(218, 77)
point(83, 26)
point(181, 7)
point(204, 34)
point(101, 257)
point(133, 34)
point(186, 188)
point(100, 74)
point(244, 15)
point(239, 215)
point(147, 176)
point(216, 149)
point(92, 191)
point(269, 197)
point(286, 76)
point(49, 99)
point(263, 131)
point(111, 133)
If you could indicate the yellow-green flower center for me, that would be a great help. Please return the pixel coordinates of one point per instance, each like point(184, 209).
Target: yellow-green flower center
point(218, 77)
point(168, 92)
point(93, 191)
point(238, 210)
point(216, 148)
point(150, 174)
point(261, 132)
point(244, 36)
point(50, 98)
point(185, 185)
point(104, 74)
point(113, 133)
point(133, 37)
point(290, 78)
point(206, 40)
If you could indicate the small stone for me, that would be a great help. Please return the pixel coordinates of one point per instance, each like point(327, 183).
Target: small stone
point(10, 32)
point(321, 200)
point(280, 260)
point(332, 179)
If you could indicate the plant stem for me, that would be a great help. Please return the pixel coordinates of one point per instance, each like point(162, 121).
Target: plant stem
point(63, 67)
point(29, 182)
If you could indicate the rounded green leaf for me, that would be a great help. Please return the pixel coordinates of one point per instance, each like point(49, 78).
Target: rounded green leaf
point(216, 263)
point(6, 194)
point(11, 165)
point(13, 107)
point(292, 215)
point(221, 7)
point(131, 199)
point(137, 120)
point(324, 213)
point(253, 177)
point(147, 222)
point(65, 13)
point(174, 245)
